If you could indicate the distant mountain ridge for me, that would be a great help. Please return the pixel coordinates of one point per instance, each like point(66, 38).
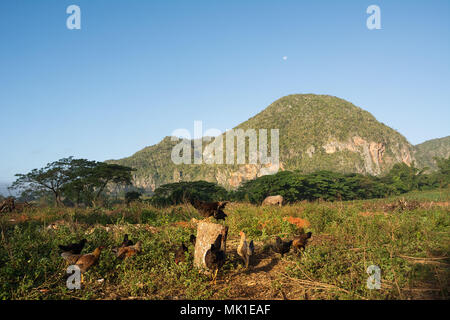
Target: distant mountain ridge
point(428, 150)
point(316, 132)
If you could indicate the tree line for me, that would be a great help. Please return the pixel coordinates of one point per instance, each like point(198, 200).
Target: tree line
point(296, 186)
point(70, 181)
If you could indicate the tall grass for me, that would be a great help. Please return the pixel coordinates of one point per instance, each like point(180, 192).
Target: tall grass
point(410, 246)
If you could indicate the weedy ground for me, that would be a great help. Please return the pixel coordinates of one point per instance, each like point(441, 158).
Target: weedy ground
point(407, 237)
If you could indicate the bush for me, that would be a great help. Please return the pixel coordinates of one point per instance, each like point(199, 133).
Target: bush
point(183, 192)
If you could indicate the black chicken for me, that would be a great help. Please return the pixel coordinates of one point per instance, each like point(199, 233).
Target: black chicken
point(281, 246)
point(192, 239)
point(73, 248)
point(179, 253)
point(215, 257)
point(220, 215)
point(210, 209)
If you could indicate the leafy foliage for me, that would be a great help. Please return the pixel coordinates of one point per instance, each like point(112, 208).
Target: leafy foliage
point(331, 186)
point(131, 196)
point(90, 181)
point(410, 246)
point(183, 192)
point(429, 150)
point(53, 177)
point(325, 185)
point(79, 180)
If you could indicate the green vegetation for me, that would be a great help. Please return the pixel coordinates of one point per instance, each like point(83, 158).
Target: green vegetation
point(182, 192)
point(410, 245)
point(84, 181)
point(324, 185)
point(429, 150)
point(310, 120)
point(131, 196)
point(327, 149)
point(77, 180)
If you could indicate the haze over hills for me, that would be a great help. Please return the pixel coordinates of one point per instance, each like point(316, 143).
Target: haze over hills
point(4, 189)
point(316, 132)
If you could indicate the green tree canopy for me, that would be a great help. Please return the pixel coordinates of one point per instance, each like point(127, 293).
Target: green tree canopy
point(181, 192)
point(131, 196)
point(443, 174)
point(80, 180)
point(91, 179)
point(52, 177)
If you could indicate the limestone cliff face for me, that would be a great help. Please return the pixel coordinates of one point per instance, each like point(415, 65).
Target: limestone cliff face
point(372, 153)
point(244, 173)
point(145, 182)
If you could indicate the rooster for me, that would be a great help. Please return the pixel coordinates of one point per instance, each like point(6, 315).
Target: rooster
point(74, 248)
point(129, 251)
point(83, 261)
point(244, 250)
point(301, 241)
point(281, 246)
point(215, 257)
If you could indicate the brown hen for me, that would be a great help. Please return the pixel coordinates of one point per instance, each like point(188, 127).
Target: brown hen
point(301, 241)
point(126, 252)
point(83, 261)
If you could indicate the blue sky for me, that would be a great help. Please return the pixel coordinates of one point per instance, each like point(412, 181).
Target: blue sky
point(138, 70)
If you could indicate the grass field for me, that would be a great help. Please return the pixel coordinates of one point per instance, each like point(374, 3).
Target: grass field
point(409, 242)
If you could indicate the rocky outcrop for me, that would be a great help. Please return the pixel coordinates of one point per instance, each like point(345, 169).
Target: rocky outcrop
point(245, 172)
point(372, 153)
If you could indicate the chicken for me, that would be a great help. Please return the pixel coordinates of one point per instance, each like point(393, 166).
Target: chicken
point(281, 246)
point(74, 248)
point(192, 239)
point(179, 253)
point(83, 261)
point(300, 241)
point(129, 251)
point(125, 243)
point(215, 257)
point(210, 209)
point(245, 250)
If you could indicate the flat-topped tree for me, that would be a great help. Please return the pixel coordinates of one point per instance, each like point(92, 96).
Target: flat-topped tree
point(95, 180)
point(76, 179)
point(52, 177)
